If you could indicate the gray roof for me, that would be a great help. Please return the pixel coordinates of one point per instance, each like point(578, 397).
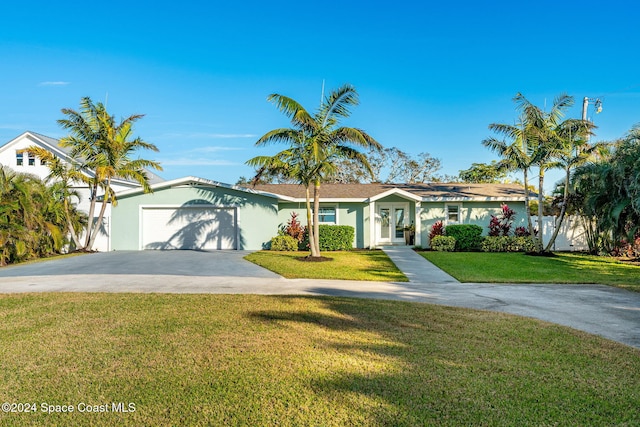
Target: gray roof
point(462, 191)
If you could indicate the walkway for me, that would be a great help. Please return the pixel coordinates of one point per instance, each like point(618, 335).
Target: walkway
point(415, 267)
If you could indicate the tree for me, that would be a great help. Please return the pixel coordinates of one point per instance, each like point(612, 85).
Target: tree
point(574, 149)
point(61, 178)
point(31, 217)
point(105, 148)
point(482, 173)
point(516, 156)
point(398, 165)
point(316, 142)
point(540, 140)
point(608, 190)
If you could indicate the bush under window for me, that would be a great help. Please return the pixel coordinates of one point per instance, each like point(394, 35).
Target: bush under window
point(468, 236)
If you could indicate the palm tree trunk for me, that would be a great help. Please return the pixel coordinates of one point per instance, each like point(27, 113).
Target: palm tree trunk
point(93, 194)
point(540, 242)
point(316, 214)
point(312, 239)
point(563, 211)
point(526, 203)
point(106, 199)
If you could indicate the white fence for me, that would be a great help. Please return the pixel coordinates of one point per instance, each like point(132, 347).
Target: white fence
point(571, 237)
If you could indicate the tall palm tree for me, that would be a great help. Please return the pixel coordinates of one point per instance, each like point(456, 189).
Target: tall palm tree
point(516, 156)
point(61, 178)
point(574, 150)
point(321, 141)
point(539, 141)
point(105, 148)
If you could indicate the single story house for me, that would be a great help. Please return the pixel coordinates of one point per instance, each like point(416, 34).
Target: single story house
point(195, 213)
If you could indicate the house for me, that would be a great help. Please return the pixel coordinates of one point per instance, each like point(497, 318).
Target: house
point(16, 156)
point(197, 213)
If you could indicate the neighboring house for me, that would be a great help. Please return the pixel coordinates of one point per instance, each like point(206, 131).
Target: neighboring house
point(15, 155)
point(195, 213)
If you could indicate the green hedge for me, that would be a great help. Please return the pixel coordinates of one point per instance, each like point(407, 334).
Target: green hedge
point(333, 238)
point(508, 244)
point(443, 243)
point(284, 243)
point(468, 236)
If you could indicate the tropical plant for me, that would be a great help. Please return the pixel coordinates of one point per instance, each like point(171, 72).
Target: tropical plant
point(103, 150)
point(501, 224)
point(545, 141)
point(608, 190)
point(32, 217)
point(61, 178)
point(316, 142)
point(437, 229)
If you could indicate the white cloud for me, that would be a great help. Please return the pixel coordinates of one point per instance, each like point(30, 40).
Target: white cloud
point(214, 149)
point(208, 135)
point(196, 162)
point(54, 83)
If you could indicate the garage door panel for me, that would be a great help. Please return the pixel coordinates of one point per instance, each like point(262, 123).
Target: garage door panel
point(189, 228)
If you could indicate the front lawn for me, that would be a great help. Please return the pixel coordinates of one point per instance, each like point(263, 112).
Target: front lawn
point(521, 268)
point(346, 265)
point(286, 360)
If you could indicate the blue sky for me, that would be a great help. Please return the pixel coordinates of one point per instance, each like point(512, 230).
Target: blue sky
point(431, 76)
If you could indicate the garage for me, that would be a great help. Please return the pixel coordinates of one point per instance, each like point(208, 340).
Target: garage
point(194, 213)
point(189, 227)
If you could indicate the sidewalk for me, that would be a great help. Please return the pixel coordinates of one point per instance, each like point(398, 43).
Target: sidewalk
point(415, 267)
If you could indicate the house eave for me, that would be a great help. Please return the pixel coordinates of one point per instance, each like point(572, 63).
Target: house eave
point(193, 180)
point(473, 199)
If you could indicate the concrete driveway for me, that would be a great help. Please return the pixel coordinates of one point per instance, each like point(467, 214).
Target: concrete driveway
point(606, 311)
point(179, 263)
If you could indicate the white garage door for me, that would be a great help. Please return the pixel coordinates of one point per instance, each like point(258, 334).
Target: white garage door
point(196, 227)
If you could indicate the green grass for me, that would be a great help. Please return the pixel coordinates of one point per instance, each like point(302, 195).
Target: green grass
point(521, 268)
point(349, 265)
point(261, 360)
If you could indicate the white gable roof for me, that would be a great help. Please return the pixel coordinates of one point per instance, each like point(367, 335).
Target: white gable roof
point(26, 139)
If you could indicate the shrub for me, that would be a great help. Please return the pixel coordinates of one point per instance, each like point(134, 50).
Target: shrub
point(521, 232)
point(284, 243)
point(443, 243)
point(333, 237)
point(437, 229)
point(501, 224)
point(508, 244)
point(294, 229)
point(468, 236)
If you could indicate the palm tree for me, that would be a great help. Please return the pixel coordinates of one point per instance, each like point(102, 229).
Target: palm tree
point(61, 178)
point(515, 155)
point(104, 147)
point(541, 139)
point(609, 190)
point(574, 150)
point(319, 141)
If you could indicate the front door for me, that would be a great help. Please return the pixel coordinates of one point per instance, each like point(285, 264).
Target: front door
point(392, 219)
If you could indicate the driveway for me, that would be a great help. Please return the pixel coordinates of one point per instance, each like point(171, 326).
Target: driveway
point(179, 263)
point(606, 311)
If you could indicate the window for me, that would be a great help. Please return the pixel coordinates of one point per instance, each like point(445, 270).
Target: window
point(327, 215)
point(32, 159)
point(19, 159)
point(453, 214)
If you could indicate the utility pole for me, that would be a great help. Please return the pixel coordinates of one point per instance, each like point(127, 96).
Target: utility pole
point(585, 105)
